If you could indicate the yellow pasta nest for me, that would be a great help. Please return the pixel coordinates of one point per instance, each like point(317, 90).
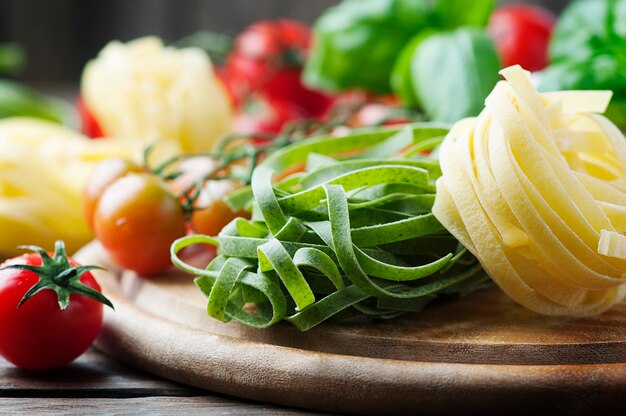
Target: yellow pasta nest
point(143, 91)
point(535, 187)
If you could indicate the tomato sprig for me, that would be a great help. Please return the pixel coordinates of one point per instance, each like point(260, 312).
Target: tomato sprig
point(57, 274)
point(136, 212)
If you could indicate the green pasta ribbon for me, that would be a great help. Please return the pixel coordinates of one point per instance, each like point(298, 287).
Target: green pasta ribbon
point(351, 236)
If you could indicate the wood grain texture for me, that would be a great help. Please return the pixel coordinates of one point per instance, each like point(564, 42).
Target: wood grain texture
point(186, 406)
point(482, 354)
point(91, 375)
point(98, 384)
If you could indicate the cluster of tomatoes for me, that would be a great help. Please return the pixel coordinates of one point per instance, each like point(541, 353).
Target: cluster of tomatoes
point(136, 212)
point(262, 75)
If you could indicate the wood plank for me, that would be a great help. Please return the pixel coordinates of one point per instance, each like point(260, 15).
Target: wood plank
point(214, 405)
point(97, 384)
point(91, 375)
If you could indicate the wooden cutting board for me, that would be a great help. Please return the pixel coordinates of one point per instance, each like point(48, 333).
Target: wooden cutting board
point(482, 354)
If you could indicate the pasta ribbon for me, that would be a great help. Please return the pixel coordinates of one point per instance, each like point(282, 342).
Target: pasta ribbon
point(535, 188)
point(350, 236)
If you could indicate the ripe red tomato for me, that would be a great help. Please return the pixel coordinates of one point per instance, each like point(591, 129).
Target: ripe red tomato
point(522, 35)
point(266, 38)
point(211, 220)
point(40, 334)
point(89, 125)
point(286, 87)
point(243, 77)
point(136, 219)
point(103, 175)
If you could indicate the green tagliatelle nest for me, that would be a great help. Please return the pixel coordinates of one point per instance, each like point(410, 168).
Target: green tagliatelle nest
point(350, 236)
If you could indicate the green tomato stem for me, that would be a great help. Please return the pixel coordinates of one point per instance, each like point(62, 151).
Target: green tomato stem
point(56, 273)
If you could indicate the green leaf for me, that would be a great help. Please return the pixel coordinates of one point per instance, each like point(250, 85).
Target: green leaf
point(216, 45)
point(588, 52)
point(401, 80)
point(356, 42)
point(453, 73)
point(602, 72)
point(455, 13)
point(586, 28)
point(616, 111)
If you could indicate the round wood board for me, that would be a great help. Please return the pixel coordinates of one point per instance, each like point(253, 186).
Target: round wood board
point(482, 354)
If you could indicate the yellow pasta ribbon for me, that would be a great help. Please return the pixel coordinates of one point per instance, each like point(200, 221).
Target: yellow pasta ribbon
point(535, 188)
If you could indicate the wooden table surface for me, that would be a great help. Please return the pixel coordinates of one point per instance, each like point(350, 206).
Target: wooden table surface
point(97, 384)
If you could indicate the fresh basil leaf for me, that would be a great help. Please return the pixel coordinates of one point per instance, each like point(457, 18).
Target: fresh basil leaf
point(356, 42)
point(605, 71)
point(581, 27)
point(588, 28)
point(456, 13)
point(401, 80)
point(588, 52)
point(452, 73)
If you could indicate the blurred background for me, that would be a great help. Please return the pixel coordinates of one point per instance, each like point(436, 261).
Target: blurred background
point(60, 36)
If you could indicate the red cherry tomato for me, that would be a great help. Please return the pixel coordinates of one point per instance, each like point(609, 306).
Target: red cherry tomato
point(103, 175)
point(259, 41)
point(211, 213)
point(89, 125)
point(286, 87)
point(136, 219)
point(39, 334)
point(522, 35)
point(270, 41)
point(211, 219)
point(294, 35)
point(245, 76)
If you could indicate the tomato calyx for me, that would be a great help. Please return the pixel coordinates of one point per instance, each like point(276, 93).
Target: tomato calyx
point(57, 274)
